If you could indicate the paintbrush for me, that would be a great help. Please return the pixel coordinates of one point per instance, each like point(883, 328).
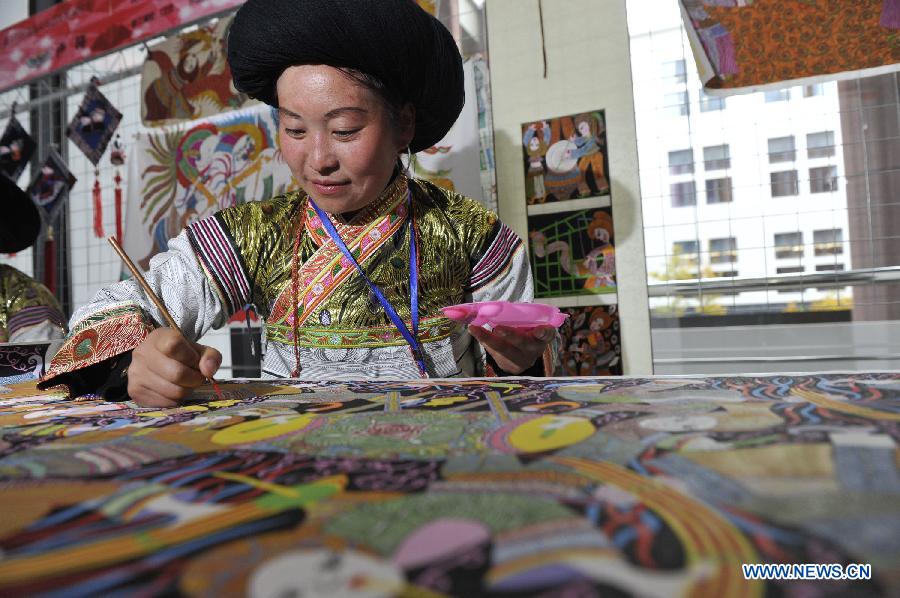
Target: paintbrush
point(156, 301)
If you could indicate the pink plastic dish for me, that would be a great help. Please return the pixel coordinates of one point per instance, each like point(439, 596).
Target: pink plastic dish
point(505, 313)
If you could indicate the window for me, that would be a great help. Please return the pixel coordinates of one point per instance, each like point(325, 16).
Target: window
point(788, 269)
point(676, 69)
point(687, 252)
point(681, 161)
point(726, 273)
point(718, 190)
point(710, 103)
point(813, 90)
point(823, 180)
point(676, 103)
point(829, 267)
point(778, 95)
point(781, 149)
point(784, 183)
point(723, 251)
point(683, 194)
point(716, 157)
point(828, 242)
point(685, 247)
point(788, 245)
point(820, 145)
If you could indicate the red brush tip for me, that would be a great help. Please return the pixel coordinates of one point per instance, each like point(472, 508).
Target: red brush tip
point(217, 389)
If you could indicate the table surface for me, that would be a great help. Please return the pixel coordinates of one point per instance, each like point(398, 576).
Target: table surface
point(507, 486)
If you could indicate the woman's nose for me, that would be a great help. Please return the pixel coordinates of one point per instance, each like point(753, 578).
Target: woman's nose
point(321, 156)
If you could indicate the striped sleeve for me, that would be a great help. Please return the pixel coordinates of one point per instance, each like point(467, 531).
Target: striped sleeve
point(35, 315)
point(496, 258)
point(216, 252)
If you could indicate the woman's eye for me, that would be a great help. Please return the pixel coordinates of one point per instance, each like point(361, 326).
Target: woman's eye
point(345, 133)
point(294, 132)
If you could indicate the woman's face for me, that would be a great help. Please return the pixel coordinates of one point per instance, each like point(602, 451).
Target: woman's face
point(584, 129)
point(337, 136)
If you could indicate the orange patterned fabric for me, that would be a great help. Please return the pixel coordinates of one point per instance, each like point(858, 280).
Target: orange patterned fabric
point(102, 336)
point(781, 40)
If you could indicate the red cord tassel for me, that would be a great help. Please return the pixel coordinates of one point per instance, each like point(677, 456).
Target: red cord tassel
point(118, 196)
point(98, 211)
point(50, 263)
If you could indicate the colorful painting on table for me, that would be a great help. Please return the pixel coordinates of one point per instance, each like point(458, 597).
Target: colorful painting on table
point(572, 253)
point(179, 176)
point(589, 486)
point(187, 77)
point(565, 158)
point(591, 342)
point(752, 44)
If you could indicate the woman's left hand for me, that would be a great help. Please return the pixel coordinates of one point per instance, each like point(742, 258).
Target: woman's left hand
point(514, 350)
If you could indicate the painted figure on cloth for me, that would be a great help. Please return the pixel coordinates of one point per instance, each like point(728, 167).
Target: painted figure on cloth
point(186, 77)
point(170, 96)
point(565, 157)
point(589, 153)
point(16, 148)
point(536, 141)
point(590, 342)
point(573, 252)
point(351, 272)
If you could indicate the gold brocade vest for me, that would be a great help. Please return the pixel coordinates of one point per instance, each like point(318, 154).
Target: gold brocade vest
point(332, 302)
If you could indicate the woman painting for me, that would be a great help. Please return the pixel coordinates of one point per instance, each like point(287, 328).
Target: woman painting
point(351, 272)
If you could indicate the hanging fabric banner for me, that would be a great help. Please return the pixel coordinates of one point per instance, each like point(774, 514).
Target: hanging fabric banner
point(748, 45)
point(457, 161)
point(91, 129)
point(16, 148)
point(179, 176)
point(51, 186)
point(94, 124)
point(76, 31)
point(187, 77)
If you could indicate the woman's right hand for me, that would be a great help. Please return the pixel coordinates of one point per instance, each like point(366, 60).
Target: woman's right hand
point(165, 368)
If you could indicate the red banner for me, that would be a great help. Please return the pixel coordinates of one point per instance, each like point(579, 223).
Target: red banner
point(76, 31)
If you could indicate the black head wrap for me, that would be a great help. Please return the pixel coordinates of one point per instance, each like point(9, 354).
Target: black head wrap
point(21, 222)
point(395, 41)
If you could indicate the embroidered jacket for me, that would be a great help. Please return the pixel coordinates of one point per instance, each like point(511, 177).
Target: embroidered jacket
point(28, 310)
point(244, 255)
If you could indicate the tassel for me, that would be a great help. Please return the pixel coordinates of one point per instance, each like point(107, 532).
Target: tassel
point(98, 208)
point(118, 196)
point(50, 261)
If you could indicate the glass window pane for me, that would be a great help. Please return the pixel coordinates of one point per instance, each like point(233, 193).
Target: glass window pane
point(788, 245)
point(681, 161)
point(718, 190)
point(820, 145)
point(784, 183)
point(716, 157)
point(683, 194)
point(781, 149)
point(710, 103)
point(823, 179)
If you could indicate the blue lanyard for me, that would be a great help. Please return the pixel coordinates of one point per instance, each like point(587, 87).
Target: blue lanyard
point(411, 337)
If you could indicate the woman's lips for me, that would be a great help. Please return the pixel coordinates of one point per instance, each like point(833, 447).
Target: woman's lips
point(328, 187)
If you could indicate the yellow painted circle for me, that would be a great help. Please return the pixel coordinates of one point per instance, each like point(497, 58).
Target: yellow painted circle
point(262, 429)
point(549, 432)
